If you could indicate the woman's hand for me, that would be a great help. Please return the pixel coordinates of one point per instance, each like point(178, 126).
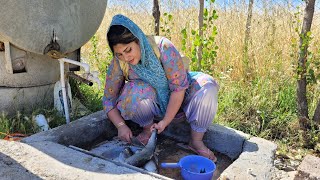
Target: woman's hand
point(124, 133)
point(175, 100)
point(160, 126)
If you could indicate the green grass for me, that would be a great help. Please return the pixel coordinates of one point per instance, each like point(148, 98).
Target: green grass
point(266, 108)
point(25, 123)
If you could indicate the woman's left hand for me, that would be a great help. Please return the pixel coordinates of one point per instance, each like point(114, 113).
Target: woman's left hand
point(160, 126)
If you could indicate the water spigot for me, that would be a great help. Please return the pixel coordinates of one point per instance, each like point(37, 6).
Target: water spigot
point(93, 76)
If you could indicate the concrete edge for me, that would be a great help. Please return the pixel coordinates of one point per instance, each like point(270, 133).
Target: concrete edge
point(230, 141)
point(256, 161)
point(241, 147)
point(45, 159)
point(77, 132)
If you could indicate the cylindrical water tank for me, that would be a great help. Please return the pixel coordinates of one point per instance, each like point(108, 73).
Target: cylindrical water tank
point(27, 76)
point(29, 24)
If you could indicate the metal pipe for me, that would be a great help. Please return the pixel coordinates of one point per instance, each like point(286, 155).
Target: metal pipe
point(87, 75)
point(79, 78)
point(93, 76)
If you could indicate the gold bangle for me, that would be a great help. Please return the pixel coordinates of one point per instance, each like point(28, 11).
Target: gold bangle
point(119, 124)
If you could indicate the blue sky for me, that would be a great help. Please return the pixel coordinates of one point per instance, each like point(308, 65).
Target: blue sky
point(147, 4)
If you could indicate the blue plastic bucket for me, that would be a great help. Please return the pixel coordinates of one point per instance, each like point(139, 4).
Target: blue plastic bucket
point(194, 167)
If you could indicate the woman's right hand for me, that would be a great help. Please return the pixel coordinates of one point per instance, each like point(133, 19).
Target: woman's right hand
point(124, 133)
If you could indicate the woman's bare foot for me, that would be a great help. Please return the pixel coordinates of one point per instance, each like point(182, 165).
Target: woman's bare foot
point(196, 145)
point(199, 148)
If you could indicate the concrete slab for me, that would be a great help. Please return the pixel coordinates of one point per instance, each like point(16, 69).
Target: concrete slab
point(78, 133)
point(47, 154)
point(223, 139)
point(49, 160)
point(226, 140)
point(255, 162)
point(13, 100)
point(11, 169)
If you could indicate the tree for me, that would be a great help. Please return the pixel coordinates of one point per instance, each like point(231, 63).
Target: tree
point(200, 18)
point(302, 68)
point(156, 16)
point(247, 38)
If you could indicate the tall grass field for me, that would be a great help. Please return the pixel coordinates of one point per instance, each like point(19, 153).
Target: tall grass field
point(259, 100)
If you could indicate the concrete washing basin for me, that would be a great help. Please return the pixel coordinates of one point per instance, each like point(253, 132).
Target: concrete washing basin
point(50, 153)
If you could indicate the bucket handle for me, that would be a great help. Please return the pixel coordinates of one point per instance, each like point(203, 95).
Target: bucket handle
point(170, 165)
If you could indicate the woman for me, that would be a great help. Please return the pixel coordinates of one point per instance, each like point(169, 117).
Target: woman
point(141, 87)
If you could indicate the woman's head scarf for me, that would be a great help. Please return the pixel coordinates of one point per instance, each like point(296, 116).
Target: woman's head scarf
point(149, 69)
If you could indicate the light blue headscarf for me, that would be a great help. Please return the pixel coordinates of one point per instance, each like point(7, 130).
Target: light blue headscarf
point(149, 69)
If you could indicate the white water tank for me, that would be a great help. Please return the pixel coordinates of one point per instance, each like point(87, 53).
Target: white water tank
point(29, 24)
point(27, 75)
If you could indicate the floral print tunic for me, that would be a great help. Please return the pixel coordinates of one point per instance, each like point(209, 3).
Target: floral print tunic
point(125, 95)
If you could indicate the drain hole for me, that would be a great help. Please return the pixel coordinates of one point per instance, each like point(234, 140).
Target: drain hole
point(19, 66)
